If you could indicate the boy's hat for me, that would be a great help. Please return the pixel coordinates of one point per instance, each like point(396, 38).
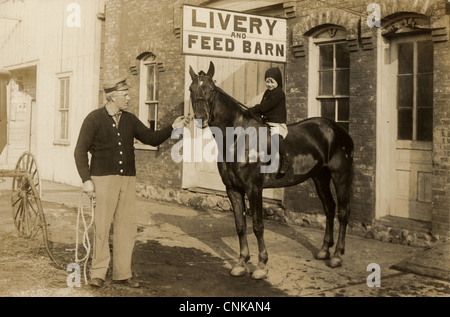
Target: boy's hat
point(115, 84)
point(275, 73)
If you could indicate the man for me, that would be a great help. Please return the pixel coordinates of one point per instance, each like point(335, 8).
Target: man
point(108, 134)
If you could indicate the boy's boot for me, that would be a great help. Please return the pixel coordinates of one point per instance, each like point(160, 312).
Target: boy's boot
point(284, 159)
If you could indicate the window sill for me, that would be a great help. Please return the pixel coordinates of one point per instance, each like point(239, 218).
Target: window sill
point(61, 142)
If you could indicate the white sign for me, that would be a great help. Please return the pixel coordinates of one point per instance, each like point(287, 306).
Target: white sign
point(220, 33)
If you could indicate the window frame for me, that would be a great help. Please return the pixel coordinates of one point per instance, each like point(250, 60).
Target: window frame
point(414, 39)
point(314, 96)
point(60, 137)
point(144, 103)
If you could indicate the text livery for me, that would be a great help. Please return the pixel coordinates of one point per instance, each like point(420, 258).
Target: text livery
point(212, 32)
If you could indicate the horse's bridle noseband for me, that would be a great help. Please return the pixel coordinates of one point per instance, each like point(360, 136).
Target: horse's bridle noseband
point(201, 98)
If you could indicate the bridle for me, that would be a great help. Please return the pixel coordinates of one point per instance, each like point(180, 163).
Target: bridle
point(202, 98)
point(214, 89)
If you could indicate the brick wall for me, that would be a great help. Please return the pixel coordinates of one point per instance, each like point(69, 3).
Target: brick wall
point(304, 16)
point(297, 109)
point(363, 131)
point(135, 27)
point(441, 140)
point(309, 16)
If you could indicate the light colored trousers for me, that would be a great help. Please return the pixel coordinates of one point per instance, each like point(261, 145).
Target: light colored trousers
point(278, 128)
point(115, 203)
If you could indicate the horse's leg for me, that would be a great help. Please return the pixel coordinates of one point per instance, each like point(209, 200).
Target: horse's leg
point(322, 182)
point(238, 204)
point(255, 200)
point(342, 183)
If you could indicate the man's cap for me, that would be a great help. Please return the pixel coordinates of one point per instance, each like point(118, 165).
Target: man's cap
point(115, 84)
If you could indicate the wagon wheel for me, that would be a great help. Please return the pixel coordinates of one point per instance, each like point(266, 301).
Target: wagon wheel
point(27, 210)
point(25, 200)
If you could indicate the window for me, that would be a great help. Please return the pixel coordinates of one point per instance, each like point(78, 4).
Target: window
point(149, 96)
point(151, 101)
point(334, 72)
point(415, 90)
point(330, 75)
point(63, 106)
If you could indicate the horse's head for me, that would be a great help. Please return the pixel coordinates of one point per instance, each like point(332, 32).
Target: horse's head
point(202, 94)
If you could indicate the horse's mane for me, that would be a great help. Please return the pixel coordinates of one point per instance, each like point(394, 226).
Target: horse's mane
point(242, 107)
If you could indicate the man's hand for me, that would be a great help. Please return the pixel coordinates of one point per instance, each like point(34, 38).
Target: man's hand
point(180, 122)
point(88, 188)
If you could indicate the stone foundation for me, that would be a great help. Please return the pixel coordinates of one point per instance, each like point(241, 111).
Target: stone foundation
point(274, 211)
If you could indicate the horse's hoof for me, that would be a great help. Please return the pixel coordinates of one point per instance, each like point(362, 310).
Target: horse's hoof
point(335, 262)
point(323, 255)
point(238, 271)
point(260, 274)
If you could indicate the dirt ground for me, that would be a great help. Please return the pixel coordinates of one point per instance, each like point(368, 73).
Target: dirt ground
point(26, 271)
point(163, 271)
point(181, 252)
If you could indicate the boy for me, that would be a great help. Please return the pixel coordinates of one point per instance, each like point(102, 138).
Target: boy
point(273, 108)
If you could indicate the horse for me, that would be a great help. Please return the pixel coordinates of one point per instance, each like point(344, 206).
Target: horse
point(318, 148)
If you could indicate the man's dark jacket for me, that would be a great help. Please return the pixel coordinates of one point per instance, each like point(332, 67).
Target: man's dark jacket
point(112, 147)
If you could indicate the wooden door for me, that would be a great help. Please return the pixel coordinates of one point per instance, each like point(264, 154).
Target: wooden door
point(18, 136)
point(413, 64)
point(244, 80)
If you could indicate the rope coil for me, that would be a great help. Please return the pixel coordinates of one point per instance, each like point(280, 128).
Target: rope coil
point(86, 241)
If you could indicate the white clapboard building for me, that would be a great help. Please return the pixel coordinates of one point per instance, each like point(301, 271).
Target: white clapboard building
point(53, 51)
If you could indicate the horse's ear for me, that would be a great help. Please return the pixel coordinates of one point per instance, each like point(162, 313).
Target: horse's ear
point(192, 73)
point(211, 70)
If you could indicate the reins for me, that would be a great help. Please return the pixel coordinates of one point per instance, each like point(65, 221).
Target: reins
point(244, 107)
point(86, 242)
point(234, 100)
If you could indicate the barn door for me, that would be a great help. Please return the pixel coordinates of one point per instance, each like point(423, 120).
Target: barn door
point(413, 100)
point(244, 80)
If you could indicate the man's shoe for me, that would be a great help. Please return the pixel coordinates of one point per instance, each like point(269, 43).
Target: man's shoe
point(130, 282)
point(96, 282)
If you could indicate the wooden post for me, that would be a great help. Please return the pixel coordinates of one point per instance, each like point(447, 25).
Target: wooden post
point(4, 80)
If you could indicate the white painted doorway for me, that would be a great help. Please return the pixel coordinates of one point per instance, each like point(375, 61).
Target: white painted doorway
point(405, 132)
point(21, 108)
